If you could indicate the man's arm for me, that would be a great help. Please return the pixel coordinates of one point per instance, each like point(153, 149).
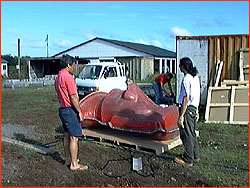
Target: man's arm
point(184, 106)
point(170, 88)
point(182, 112)
point(163, 89)
point(75, 101)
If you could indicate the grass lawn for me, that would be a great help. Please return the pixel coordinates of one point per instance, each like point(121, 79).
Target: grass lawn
point(224, 153)
point(224, 147)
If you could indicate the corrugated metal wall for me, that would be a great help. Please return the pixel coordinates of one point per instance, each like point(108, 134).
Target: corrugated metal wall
point(139, 68)
point(197, 51)
point(224, 48)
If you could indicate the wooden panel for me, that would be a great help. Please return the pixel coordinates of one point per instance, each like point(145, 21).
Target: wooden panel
point(220, 96)
point(228, 105)
point(219, 113)
point(241, 113)
point(222, 58)
point(212, 61)
point(226, 49)
point(245, 58)
point(241, 95)
point(246, 74)
point(230, 58)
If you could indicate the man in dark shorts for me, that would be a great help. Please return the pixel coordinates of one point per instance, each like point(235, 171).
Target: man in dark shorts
point(69, 111)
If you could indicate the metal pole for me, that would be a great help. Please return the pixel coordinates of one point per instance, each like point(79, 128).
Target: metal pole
point(18, 59)
point(47, 44)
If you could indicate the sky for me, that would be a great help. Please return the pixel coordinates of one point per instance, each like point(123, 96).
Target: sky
point(70, 23)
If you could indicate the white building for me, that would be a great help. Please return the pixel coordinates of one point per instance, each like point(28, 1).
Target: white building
point(142, 60)
point(4, 67)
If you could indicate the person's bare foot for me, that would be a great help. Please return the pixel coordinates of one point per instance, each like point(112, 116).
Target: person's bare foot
point(67, 163)
point(78, 167)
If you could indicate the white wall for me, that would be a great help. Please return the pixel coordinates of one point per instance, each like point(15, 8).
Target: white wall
point(4, 72)
point(197, 51)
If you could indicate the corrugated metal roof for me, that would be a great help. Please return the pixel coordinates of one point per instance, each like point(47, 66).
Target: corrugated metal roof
point(149, 49)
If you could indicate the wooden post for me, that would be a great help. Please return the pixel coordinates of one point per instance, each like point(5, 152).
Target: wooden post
point(160, 66)
point(29, 70)
point(218, 74)
point(231, 114)
point(241, 67)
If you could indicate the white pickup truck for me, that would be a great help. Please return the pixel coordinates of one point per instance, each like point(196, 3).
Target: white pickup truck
point(101, 76)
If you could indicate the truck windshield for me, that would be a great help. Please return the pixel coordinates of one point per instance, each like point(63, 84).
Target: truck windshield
point(90, 72)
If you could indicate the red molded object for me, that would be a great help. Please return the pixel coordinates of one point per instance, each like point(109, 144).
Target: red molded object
point(130, 110)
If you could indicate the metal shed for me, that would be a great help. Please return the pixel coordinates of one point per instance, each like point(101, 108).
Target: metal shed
point(40, 67)
point(205, 51)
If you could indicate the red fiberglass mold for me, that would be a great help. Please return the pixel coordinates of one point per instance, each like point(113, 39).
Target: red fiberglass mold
point(130, 110)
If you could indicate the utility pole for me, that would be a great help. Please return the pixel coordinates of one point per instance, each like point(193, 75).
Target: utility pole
point(18, 58)
point(47, 44)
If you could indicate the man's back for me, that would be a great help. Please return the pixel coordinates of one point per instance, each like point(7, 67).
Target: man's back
point(65, 86)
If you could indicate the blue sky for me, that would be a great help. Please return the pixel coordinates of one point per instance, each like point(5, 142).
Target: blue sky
point(69, 23)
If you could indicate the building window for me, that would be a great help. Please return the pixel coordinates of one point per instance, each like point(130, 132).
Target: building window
point(163, 66)
point(156, 66)
point(4, 67)
point(173, 66)
point(168, 65)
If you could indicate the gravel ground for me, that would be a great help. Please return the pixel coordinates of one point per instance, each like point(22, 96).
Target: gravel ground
point(109, 166)
point(19, 132)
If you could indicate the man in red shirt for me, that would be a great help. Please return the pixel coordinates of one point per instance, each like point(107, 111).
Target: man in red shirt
point(69, 111)
point(159, 87)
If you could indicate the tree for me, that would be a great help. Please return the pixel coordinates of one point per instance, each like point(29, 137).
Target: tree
point(13, 60)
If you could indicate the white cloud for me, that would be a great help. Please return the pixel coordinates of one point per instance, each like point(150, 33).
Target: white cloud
point(220, 22)
point(201, 23)
point(13, 31)
point(95, 14)
point(162, 17)
point(38, 44)
point(179, 31)
point(89, 35)
point(131, 15)
point(64, 44)
point(141, 41)
point(115, 6)
point(157, 43)
point(115, 21)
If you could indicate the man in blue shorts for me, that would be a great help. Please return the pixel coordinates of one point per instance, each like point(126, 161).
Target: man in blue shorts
point(69, 111)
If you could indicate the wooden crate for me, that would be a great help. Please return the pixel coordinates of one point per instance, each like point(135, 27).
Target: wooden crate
point(244, 64)
point(225, 83)
point(135, 141)
point(228, 105)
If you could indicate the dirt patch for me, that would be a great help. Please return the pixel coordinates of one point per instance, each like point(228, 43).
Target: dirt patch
point(108, 166)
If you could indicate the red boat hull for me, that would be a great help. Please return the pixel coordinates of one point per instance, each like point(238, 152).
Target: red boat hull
point(130, 110)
